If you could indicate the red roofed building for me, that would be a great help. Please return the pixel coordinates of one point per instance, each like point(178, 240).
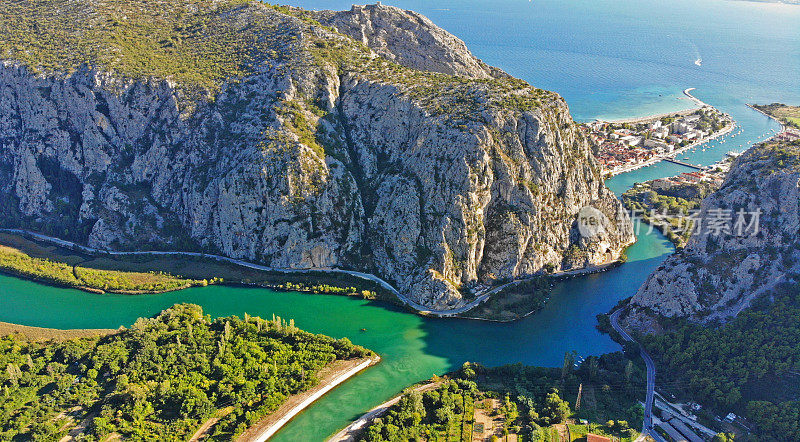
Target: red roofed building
point(595, 438)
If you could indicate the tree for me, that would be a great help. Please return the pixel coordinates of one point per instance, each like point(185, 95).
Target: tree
point(556, 409)
point(467, 371)
point(628, 372)
point(569, 362)
point(444, 415)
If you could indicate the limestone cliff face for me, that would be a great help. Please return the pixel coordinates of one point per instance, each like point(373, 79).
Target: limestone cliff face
point(718, 275)
point(407, 38)
point(433, 182)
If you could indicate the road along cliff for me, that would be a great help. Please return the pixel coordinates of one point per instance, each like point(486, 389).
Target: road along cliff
point(374, 143)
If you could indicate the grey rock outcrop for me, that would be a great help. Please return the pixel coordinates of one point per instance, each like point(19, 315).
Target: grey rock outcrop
point(407, 38)
point(721, 271)
point(431, 183)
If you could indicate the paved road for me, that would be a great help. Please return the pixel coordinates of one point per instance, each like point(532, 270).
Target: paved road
point(367, 276)
point(647, 427)
point(91, 250)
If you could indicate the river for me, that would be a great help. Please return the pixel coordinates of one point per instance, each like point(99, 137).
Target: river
point(609, 59)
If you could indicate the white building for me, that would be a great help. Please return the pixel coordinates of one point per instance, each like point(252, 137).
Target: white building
point(655, 144)
point(661, 132)
point(631, 140)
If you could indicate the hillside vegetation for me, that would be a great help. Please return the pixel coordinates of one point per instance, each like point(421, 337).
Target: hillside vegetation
point(162, 378)
point(749, 364)
point(528, 403)
point(196, 42)
point(18, 263)
point(200, 44)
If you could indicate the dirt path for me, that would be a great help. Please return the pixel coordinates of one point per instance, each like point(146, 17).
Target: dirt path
point(330, 377)
point(563, 432)
point(78, 430)
point(204, 430)
point(486, 424)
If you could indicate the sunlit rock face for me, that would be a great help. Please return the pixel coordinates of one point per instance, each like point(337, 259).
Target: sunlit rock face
point(320, 157)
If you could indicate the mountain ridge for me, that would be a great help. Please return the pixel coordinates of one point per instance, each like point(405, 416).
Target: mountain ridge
point(299, 148)
point(721, 272)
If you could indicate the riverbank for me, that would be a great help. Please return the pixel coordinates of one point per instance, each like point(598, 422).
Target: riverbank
point(51, 334)
point(523, 297)
point(331, 377)
point(49, 265)
point(769, 115)
point(60, 263)
point(236, 272)
point(666, 204)
point(352, 431)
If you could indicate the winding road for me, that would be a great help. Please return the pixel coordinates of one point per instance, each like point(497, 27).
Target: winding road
point(366, 276)
point(647, 427)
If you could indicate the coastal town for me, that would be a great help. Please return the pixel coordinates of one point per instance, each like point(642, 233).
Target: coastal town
point(713, 175)
point(628, 145)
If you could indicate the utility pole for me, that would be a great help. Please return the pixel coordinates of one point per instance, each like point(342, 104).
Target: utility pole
point(578, 402)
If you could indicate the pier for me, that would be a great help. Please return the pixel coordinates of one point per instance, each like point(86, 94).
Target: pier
point(682, 163)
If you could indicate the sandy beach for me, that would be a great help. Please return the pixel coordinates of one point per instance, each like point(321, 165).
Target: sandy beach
point(332, 376)
point(648, 118)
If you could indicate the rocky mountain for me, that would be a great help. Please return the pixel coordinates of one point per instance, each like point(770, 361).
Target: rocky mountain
point(745, 242)
point(255, 132)
point(407, 38)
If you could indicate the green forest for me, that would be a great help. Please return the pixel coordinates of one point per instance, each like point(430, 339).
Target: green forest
point(162, 378)
point(667, 210)
point(524, 401)
point(748, 364)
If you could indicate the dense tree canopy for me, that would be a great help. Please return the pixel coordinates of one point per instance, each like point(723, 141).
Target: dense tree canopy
point(160, 379)
point(716, 364)
point(527, 400)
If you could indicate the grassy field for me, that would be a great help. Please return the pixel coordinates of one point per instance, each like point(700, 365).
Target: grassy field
point(789, 115)
point(137, 274)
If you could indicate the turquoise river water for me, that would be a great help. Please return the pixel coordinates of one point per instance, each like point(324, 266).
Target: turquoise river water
point(609, 59)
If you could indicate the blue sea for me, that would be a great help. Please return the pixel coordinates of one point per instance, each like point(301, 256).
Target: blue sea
point(626, 58)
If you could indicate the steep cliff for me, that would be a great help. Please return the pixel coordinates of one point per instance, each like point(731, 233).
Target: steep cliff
point(731, 259)
point(255, 132)
point(407, 38)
